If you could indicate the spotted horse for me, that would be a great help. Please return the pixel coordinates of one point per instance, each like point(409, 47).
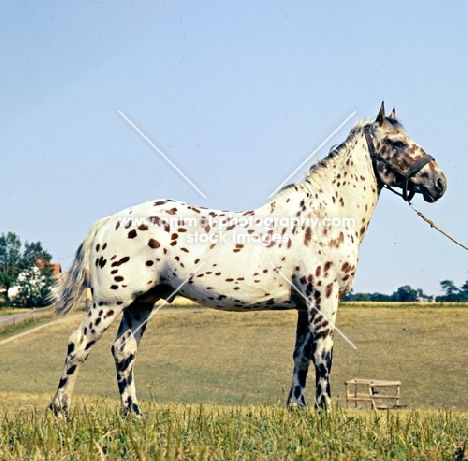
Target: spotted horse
point(298, 251)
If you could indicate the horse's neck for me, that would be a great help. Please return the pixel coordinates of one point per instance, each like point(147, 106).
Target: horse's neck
point(342, 185)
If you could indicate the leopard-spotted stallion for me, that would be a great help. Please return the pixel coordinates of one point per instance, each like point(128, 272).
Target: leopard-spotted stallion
point(298, 251)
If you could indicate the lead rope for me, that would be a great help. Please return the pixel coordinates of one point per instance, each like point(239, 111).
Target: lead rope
point(429, 221)
point(432, 224)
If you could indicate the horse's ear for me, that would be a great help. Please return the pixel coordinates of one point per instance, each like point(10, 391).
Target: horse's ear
point(381, 117)
point(393, 114)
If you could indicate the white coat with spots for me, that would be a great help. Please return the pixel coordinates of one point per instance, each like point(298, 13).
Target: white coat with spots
point(299, 251)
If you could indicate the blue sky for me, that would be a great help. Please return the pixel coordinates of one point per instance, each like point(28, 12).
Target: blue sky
point(237, 95)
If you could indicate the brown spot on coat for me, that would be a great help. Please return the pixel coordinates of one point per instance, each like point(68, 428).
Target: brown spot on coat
point(239, 247)
point(152, 243)
point(338, 241)
point(120, 261)
point(308, 236)
point(132, 234)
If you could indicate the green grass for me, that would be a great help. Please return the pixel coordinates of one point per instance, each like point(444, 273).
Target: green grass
point(95, 430)
point(14, 310)
point(212, 385)
point(24, 325)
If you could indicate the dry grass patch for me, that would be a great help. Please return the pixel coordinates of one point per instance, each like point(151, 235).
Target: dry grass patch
point(191, 355)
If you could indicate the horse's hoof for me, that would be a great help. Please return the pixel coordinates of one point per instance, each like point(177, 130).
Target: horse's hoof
point(130, 412)
point(296, 406)
point(59, 410)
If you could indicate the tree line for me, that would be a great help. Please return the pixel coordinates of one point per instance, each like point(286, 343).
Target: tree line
point(26, 273)
point(408, 294)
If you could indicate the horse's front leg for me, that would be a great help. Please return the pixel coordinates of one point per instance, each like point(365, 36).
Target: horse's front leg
point(314, 341)
point(322, 355)
point(301, 359)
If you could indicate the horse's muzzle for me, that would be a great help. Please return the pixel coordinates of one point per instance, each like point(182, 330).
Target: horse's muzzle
point(433, 189)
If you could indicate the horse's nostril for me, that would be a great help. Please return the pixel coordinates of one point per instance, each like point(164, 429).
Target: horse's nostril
point(439, 185)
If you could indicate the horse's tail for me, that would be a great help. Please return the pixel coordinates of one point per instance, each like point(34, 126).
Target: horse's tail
point(76, 281)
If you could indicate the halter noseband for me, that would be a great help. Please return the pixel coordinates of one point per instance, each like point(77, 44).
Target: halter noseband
point(416, 167)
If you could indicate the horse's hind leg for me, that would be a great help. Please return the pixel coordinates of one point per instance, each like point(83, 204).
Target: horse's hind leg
point(98, 318)
point(124, 350)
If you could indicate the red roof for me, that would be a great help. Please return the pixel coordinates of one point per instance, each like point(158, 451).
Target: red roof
point(57, 268)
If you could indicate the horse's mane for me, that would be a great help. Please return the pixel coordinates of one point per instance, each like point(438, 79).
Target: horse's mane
point(334, 152)
point(339, 149)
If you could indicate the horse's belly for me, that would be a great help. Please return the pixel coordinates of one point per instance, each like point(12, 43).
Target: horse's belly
point(246, 300)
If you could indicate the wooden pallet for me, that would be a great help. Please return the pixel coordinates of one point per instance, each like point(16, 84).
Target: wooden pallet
point(365, 390)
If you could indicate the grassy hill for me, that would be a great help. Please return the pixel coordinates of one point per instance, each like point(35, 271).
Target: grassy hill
point(192, 355)
point(213, 385)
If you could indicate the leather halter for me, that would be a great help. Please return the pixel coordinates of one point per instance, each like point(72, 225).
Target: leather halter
point(416, 167)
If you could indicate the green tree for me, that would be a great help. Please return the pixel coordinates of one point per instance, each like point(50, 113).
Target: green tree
point(36, 279)
point(10, 262)
point(380, 297)
point(405, 294)
point(29, 272)
point(361, 297)
point(34, 288)
point(34, 252)
point(451, 291)
point(464, 292)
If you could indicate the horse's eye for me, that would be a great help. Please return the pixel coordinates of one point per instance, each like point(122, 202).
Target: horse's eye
point(398, 144)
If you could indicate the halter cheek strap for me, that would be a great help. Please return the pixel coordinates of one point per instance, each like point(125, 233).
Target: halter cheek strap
point(416, 167)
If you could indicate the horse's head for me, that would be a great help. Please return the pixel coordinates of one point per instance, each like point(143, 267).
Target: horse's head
point(400, 162)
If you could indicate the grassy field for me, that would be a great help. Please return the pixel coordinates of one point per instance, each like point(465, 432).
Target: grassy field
point(96, 431)
point(214, 384)
point(203, 356)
